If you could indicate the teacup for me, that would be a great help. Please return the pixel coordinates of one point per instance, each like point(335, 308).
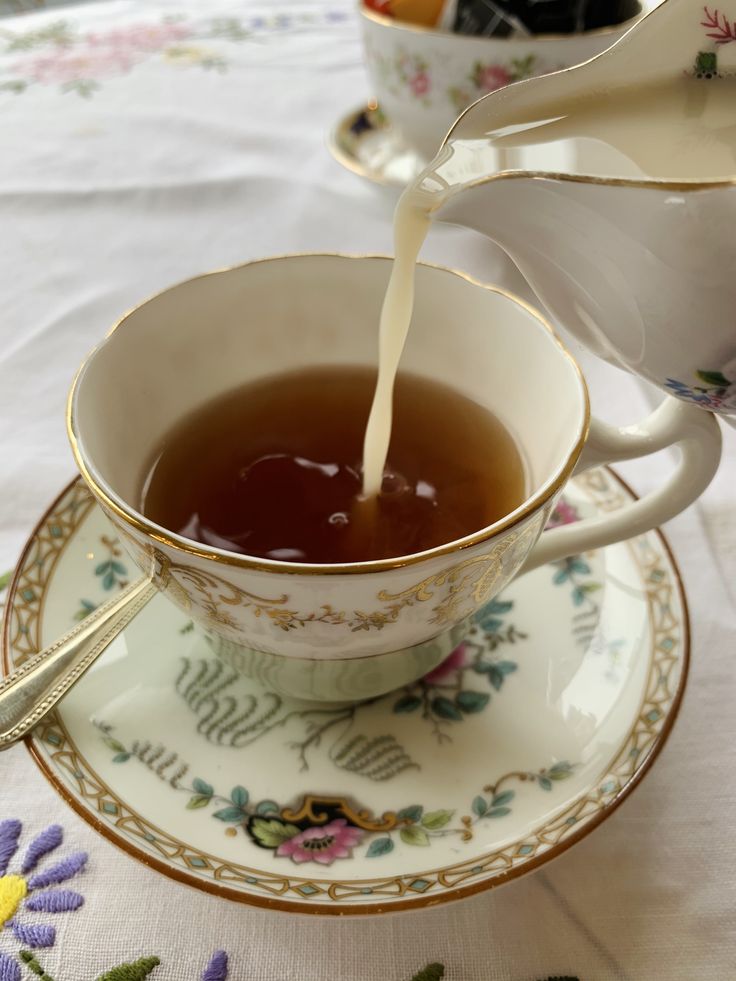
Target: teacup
point(423, 78)
point(354, 630)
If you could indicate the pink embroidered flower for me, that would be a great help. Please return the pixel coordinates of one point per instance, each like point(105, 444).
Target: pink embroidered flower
point(453, 662)
point(492, 77)
point(419, 83)
point(334, 840)
point(563, 514)
point(64, 66)
point(140, 37)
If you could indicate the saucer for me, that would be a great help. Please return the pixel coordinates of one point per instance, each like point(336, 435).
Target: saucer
point(365, 142)
point(518, 745)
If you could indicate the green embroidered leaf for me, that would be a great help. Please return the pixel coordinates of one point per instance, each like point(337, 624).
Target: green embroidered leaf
point(503, 798)
point(272, 833)
point(108, 581)
point(495, 676)
point(267, 807)
point(713, 378)
point(414, 835)
point(381, 846)
point(434, 820)
point(445, 709)
point(480, 806)
point(407, 703)
point(472, 701)
point(412, 813)
point(121, 757)
point(544, 782)
point(432, 972)
point(590, 587)
point(5, 579)
point(202, 787)
point(507, 667)
point(229, 814)
point(135, 971)
point(239, 796)
point(498, 812)
point(199, 800)
point(119, 568)
point(102, 568)
point(114, 744)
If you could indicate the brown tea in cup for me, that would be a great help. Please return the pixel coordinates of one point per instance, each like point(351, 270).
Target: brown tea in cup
point(273, 470)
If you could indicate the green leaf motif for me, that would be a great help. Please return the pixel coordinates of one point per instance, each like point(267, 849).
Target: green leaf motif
point(267, 807)
point(716, 378)
point(380, 846)
point(480, 806)
point(114, 744)
point(202, 787)
point(472, 701)
point(119, 568)
point(445, 709)
point(591, 587)
point(560, 771)
point(102, 568)
point(229, 814)
point(272, 833)
point(498, 812)
point(432, 972)
point(135, 971)
point(414, 835)
point(503, 798)
point(108, 581)
point(434, 820)
point(239, 796)
point(121, 757)
point(199, 800)
point(413, 813)
point(544, 782)
point(407, 703)
point(5, 579)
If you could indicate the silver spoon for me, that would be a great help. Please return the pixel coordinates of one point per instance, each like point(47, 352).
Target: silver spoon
point(28, 693)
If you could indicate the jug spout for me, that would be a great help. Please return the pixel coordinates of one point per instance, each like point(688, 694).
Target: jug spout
point(641, 275)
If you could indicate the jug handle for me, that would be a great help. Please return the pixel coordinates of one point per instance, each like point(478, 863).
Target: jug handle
point(674, 423)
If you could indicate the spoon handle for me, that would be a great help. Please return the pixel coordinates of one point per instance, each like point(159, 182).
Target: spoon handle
point(29, 693)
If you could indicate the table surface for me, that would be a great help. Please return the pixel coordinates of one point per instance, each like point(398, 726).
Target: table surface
point(143, 143)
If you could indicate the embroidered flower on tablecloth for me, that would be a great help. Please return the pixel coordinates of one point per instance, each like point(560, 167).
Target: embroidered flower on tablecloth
point(24, 890)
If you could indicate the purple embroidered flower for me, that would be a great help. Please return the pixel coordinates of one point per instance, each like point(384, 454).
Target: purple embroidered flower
point(334, 840)
point(453, 662)
point(30, 890)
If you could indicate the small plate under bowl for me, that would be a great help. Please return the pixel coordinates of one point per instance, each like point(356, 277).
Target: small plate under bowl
point(518, 745)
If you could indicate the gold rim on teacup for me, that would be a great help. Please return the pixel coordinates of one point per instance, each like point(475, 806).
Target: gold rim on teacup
point(131, 516)
point(404, 25)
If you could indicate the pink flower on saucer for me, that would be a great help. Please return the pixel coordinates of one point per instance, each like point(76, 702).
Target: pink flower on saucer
point(334, 840)
point(488, 78)
point(419, 83)
point(453, 662)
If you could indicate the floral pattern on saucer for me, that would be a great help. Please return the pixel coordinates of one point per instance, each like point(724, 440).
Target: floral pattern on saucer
point(508, 752)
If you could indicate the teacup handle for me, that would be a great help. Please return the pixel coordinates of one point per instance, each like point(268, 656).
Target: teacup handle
point(698, 437)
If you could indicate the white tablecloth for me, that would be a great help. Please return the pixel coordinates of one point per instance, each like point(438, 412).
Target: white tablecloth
point(143, 143)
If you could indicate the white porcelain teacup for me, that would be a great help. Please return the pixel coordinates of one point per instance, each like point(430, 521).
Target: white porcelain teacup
point(423, 78)
point(337, 632)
